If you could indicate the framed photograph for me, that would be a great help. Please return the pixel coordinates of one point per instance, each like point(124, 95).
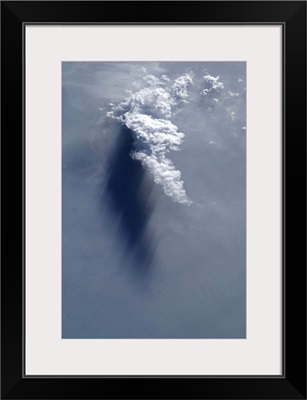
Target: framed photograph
point(154, 200)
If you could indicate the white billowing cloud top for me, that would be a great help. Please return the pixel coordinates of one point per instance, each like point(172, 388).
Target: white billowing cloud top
point(213, 84)
point(147, 114)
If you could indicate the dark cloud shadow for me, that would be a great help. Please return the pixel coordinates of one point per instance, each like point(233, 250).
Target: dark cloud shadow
point(127, 192)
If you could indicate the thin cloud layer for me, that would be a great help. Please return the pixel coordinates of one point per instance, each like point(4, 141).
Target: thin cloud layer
point(147, 114)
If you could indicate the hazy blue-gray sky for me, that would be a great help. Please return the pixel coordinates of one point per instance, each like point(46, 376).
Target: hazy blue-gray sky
point(154, 200)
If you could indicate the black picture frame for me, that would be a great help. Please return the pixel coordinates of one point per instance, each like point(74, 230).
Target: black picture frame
point(292, 16)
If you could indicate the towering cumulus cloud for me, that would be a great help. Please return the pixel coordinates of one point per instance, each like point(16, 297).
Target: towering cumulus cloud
point(147, 114)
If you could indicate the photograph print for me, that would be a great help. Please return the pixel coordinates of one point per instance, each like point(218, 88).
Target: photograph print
point(154, 200)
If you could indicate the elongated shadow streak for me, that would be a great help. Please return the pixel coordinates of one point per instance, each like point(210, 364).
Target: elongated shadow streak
point(127, 193)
